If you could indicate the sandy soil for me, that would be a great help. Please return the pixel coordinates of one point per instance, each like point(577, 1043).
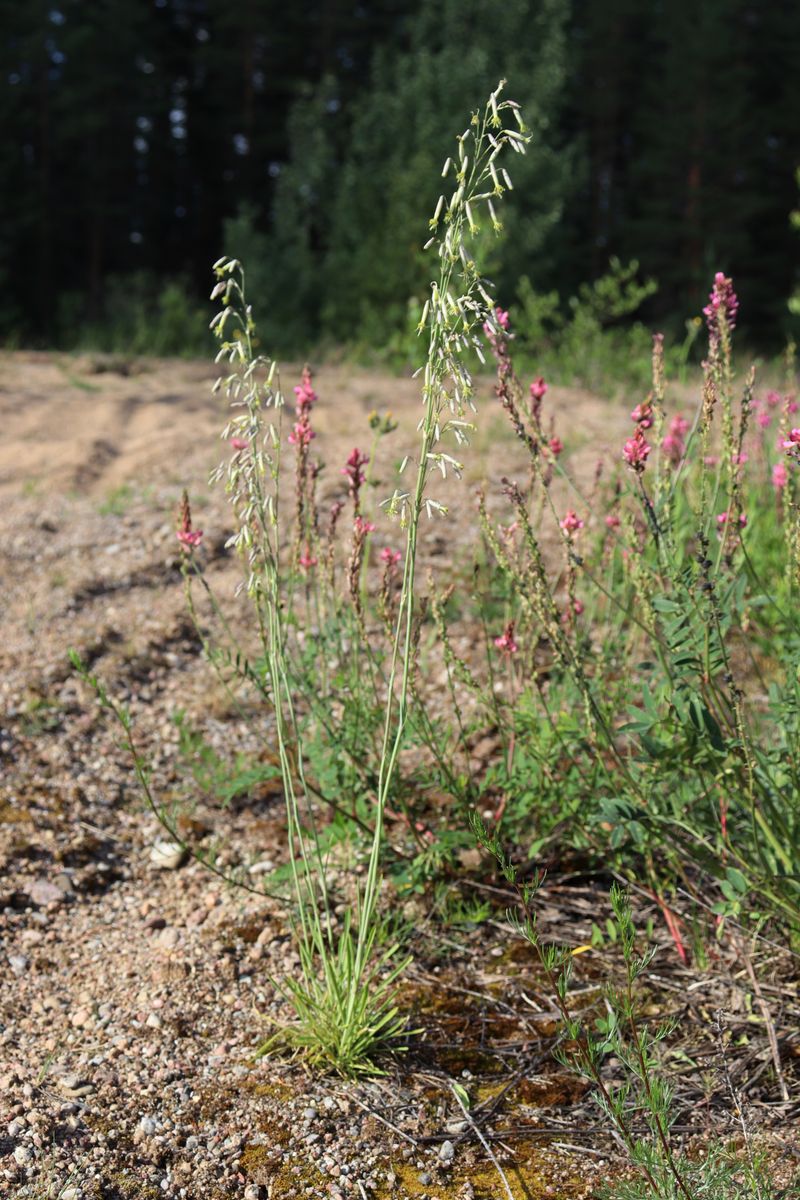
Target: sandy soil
point(132, 998)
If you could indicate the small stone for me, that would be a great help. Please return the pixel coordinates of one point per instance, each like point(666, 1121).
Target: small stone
point(262, 868)
point(75, 1085)
point(16, 1127)
point(167, 856)
point(447, 1152)
point(252, 1192)
point(23, 1155)
point(168, 937)
point(71, 1193)
point(310, 1114)
point(18, 963)
point(424, 1178)
point(147, 1126)
point(154, 1021)
point(81, 1018)
point(43, 892)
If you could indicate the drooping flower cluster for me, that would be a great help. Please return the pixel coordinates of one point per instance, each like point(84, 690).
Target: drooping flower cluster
point(791, 444)
point(189, 538)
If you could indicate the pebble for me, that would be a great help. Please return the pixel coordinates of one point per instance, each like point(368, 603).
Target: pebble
point(424, 1178)
point(167, 856)
point(43, 892)
point(71, 1193)
point(447, 1152)
point(262, 868)
point(23, 1155)
point(18, 963)
point(75, 1085)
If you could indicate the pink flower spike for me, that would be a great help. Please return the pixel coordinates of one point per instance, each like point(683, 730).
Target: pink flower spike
point(780, 476)
point(390, 557)
point(571, 523)
point(739, 460)
point(773, 398)
point(636, 451)
point(764, 419)
point(791, 406)
point(643, 415)
point(239, 443)
point(612, 521)
point(190, 537)
point(538, 389)
point(792, 443)
point(722, 299)
point(506, 641)
point(302, 434)
point(307, 560)
point(556, 446)
point(577, 607)
point(362, 526)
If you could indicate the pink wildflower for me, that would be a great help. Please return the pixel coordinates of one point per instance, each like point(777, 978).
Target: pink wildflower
point(710, 460)
point(390, 557)
point(571, 523)
point(302, 433)
point(636, 451)
point(673, 447)
point(307, 559)
point(506, 641)
point(362, 526)
point(792, 443)
point(556, 446)
point(722, 519)
point(679, 426)
point(188, 537)
point(353, 468)
point(538, 389)
point(722, 299)
point(773, 398)
point(305, 396)
point(577, 607)
point(612, 521)
point(239, 443)
point(643, 414)
point(739, 460)
point(764, 419)
point(791, 405)
point(780, 476)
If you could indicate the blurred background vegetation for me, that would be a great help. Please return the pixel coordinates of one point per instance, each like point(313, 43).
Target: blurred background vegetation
point(143, 138)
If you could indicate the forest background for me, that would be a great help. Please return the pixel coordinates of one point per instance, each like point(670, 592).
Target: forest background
point(143, 138)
